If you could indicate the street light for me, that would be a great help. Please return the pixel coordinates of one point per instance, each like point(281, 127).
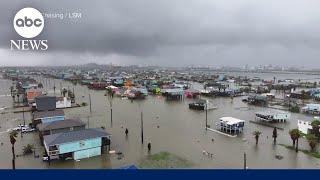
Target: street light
point(110, 98)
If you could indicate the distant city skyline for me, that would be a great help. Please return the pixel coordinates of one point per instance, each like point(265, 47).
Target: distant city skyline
point(266, 67)
point(172, 33)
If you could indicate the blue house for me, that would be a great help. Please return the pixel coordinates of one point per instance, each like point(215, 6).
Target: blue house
point(76, 144)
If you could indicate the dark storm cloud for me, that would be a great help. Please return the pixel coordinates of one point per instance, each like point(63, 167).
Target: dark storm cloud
point(175, 32)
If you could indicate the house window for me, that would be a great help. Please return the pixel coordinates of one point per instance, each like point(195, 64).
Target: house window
point(82, 143)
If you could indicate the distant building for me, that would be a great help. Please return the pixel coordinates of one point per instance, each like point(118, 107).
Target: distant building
point(116, 81)
point(63, 102)
point(173, 94)
point(256, 100)
point(32, 94)
point(311, 108)
point(48, 103)
point(273, 116)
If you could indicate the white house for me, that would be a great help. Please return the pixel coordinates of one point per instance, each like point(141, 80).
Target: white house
point(63, 102)
point(273, 116)
point(304, 126)
point(230, 125)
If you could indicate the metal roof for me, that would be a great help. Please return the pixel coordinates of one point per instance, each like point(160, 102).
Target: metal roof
point(43, 114)
point(60, 124)
point(231, 120)
point(45, 103)
point(72, 136)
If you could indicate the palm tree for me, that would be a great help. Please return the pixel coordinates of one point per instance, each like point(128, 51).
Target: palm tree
point(295, 135)
point(298, 136)
point(291, 132)
point(256, 136)
point(312, 139)
point(13, 136)
point(28, 149)
point(275, 135)
point(315, 128)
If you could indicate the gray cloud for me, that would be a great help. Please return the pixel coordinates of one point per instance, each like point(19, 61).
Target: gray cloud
point(173, 32)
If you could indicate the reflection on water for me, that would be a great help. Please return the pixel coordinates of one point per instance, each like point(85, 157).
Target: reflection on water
point(169, 126)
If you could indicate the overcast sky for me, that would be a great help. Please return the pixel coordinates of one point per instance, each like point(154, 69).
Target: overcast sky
point(170, 32)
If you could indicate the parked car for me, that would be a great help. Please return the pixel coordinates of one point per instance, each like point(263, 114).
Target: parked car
point(26, 130)
point(45, 158)
point(19, 127)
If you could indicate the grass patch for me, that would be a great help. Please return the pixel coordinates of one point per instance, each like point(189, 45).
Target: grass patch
point(310, 153)
point(164, 160)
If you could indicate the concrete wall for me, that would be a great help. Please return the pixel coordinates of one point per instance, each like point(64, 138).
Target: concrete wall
point(79, 145)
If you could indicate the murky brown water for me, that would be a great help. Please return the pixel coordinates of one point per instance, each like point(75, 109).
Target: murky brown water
point(181, 131)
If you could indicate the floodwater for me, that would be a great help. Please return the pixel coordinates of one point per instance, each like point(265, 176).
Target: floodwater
point(169, 126)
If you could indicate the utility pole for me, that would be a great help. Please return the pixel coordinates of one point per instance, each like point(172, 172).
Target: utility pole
point(54, 88)
point(206, 115)
point(111, 110)
point(24, 120)
point(88, 121)
point(90, 104)
point(13, 159)
point(61, 88)
point(245, 161)
point(21, 131)
point(141, 127)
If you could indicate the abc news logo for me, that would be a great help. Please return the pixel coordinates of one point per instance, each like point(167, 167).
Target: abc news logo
point(28, 23)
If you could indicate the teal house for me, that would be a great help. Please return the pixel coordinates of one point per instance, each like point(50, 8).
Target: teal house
point(76, 145)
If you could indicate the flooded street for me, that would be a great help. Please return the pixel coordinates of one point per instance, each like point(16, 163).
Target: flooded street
point(169, 125)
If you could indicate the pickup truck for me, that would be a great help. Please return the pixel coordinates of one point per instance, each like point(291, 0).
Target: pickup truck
point(19, 127)
point(26, 130)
